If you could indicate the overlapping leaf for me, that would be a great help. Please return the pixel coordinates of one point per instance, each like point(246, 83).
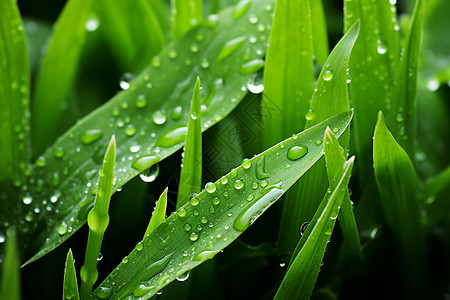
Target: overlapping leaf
point(147, 120)
point(219, 214)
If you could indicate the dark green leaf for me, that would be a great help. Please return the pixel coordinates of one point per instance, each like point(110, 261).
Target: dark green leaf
point(218, 215)
point(57, 72)
point(10, 285)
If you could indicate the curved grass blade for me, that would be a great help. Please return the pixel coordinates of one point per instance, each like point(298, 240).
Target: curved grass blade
point(57, 72)
point(319, 27)
point(288, 71)
point(159, 214)
point(144, 118)
point(218, 215)
point(403, 119)
point(14, 89)
point(436, 194)
point(331, 97)
point(98, 220)
point(396, 180)
point(10, 285)
point(185, 15)
point(163, 16)
point(301, 276)
point(373, 70)
point(132, 31)
point(70, 288)
point(335, 158)
point(191, 172)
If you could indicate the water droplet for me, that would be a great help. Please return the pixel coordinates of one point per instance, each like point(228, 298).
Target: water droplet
point(145, 162)
point(303, 227)
point(27, 200)
point(183, 277)
point(159, 117)
point(205, 254)
point(399, 117)
point(238, 184)
point(310, 115)
point(264, 183)
point(204, 220)
point(172, 54)
point(2, 239)
point(381, 47)
point(181, 212)
point(141, 290)
point(255, 85)
point(297, 152)
point(432, 84)
point(246, 163)
point(252, 66)
point(141, 101)
point(156, 62)
point(205, 63)
point(91, 135)
point(254, 185)
point(193, 236)
point(253, 19)
point(187, 227)
point(150, 174)
point(125, 81)
point(260, 169)
point(250, 197)
point(40, 162)
point(125, 260)
point(177, 113)
point(210, 187)
point(130, 130)
point(241, 8)
point(92, 25)
point(104, 292)
point(249, 214)
point(100, 257)
point(139, 246)
point(62, 229)
point(328, 75)
point(58, 152)
point(230, 47)
point(135, 148)
point(194, 48)
point(224, 180)
point(172, 137)
point(318, 142)
point(193, 200)
point(216, 201)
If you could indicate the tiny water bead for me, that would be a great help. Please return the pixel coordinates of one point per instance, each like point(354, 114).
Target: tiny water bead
point(181, 212)
point(141, 101)
point(183, 277)
point(145, 162)
point(187, 227)
point(193, 236)
point(41, 162)
point(216, 201)
point(251, 66)
point(210, 187)
point(62, 229)
point(27, 200)
point(91, 135)
point(172, 54)
point(58, 152)
point(297, 152)
point(224, 180)
point(238, 184)
point(141, 290)
point(230, 47)
point(139, 246)
point(241, 8)
point(125, 81)
point(125, 260)
point(150, 174)
point(159, 117)
point(328, 75)
point(177, 113)
point(203, 220)
point(156, 62)
point(130, 130)
point(310, 115)
point(246, 163)
point(381, 47)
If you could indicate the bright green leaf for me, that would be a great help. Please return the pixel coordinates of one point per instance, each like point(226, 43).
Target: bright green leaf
point(10, 285)
point(159, 213)
point(70, 288)
point(218, 215)
point(320, 35)
point(185, 15)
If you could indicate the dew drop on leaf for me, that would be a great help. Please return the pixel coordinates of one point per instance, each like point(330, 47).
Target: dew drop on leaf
point(90, 136)
point(141, 101)
point(238, 184)
point(297, 152)
point(159, 117)
point(150, 174)
point(193, 236)
point(328, 75)
point(210, 187)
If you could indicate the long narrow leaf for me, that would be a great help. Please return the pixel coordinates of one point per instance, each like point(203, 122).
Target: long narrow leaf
point(396, 180)
point(159, 213)
point(57, 72)
point(98, 220)
point(186, 14)
point(331, 96)
point(288, 71)
point(335, 158)
point(10, 285)
point(191, 172)
point(70, 288)
point(301, 276)
point(320, 35)
point(146, 118)
point(403, 119)
point(218, 215)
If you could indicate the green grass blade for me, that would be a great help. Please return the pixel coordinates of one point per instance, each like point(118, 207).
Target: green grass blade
point(319, 27)
point(396, 180)
point(70, 288)
point(218, 215)
point(288, 71)
point(301, 276)
point(14, 87)
point(57, 73)
point(331, 97)
point(335, 158)
point(98, 220)
point(10, 285)
point(163, 15)
point(185, 15)
point(373, 70)
point(403, 119)
point(435, 193)
point(132, 31)
point(146, 118)
point(159, 214)
point(191, 172)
